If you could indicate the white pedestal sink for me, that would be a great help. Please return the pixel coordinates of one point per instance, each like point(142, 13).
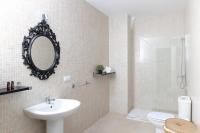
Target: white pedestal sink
point(53, 113)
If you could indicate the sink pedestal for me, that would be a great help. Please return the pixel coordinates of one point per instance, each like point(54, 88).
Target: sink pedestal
point(55, 126)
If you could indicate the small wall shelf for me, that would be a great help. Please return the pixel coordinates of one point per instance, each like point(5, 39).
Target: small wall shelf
point(103, 74)
point(17, 89)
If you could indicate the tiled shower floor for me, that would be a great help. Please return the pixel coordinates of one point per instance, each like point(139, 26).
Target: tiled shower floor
point(115, 123)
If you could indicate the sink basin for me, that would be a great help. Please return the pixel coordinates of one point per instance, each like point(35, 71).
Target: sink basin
point(53, 113)
point(60, 108)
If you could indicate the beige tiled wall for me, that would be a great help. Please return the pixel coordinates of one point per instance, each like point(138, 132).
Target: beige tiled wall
point(119, 44)
point(130, 63)
point(83, 35)
point(193, 58)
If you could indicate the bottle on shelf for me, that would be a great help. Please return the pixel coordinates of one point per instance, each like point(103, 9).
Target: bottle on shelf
point(12, 85)
point(8, 86)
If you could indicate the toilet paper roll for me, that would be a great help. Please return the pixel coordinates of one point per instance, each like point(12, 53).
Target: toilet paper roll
point(184, 108)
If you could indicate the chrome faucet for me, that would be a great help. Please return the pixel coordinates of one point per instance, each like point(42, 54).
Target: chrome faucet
point(50, 100)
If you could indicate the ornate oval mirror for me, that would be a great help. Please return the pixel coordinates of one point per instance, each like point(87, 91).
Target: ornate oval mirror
point(41, 51)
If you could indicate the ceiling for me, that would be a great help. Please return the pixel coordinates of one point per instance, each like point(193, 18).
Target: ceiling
point(139, 7)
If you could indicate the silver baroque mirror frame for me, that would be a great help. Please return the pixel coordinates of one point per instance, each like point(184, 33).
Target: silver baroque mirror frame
point(42, 29)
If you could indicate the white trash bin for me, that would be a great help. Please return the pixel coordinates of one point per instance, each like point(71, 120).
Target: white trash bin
point(184, 107)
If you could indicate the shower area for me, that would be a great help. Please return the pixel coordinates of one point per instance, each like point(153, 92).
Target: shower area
point(159, 56)
point(160, 75)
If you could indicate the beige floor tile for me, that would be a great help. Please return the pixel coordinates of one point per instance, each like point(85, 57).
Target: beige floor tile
point(115, 123)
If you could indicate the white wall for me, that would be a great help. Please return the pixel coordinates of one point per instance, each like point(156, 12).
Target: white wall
point(118, 59)
point(83, 35)
point(147, 93)
point(193, 64)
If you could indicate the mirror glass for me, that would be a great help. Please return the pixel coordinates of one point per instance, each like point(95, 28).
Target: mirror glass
point(42, 53)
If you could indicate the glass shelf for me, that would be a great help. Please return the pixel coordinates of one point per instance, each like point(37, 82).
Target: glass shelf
point(4, 91)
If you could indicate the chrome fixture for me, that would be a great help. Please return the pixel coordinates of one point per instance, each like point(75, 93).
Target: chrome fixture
point(182, 77)
point(44, 17)
point(74, 85)
point(50, 100)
